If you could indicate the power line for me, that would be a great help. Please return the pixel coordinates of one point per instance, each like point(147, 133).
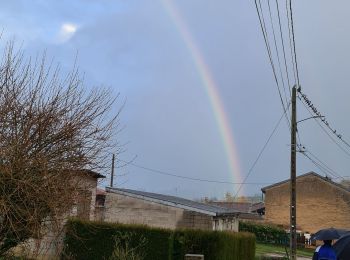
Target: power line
point(330, 170)
point(323, 118)
point(277, 53)
point(151, 170)
point(308, 108)
point(265, 35)
point(260, 153)
point(283, 48)
point(290, 43)
point(293, 37)
point(319, 163)
point(326, 132)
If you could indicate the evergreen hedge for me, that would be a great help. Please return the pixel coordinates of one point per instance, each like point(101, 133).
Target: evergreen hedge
point(215, 245)
point(265, 233)
point(95, 240)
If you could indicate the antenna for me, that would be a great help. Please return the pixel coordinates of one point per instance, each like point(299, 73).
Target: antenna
point(112, 171)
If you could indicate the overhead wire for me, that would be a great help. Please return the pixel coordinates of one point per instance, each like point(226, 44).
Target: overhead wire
point(148, 169)
point(277, 52)
point(319, 166)
point(306, 100)
point(330, 170)
point(151, 171)
point(325, 131)
point(283, 48)
point(291, 32)
point(267, 44)
point(260, 153)
point(293, 38)
point(291, 43)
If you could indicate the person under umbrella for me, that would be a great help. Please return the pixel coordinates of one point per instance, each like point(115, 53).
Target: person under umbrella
point(325, 252)
point(329, 234)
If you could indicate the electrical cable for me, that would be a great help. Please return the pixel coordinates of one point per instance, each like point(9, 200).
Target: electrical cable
point(260, 153)
point(277, 53)
point(319, 166)
point(290, 44)
point(264, 31)
point(293, 37)
point(324, 130)
point(330, 170)
point(283, 48)
point(189, 178)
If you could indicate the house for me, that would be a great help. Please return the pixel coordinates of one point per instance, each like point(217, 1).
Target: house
point(86, 195)
point(321, 203)
point(50, 244)
point(164, 211)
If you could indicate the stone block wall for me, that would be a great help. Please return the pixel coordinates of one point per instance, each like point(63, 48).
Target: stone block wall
point(195, 220)
point(320, 204)
point(128, 210)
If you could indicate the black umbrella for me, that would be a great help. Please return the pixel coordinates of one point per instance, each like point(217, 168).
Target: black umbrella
point(342, 247)
point(328, 234)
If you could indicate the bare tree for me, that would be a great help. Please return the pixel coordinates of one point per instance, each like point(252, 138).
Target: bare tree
point(50, 129)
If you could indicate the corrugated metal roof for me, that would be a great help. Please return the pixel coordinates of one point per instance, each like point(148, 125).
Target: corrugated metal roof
point(246, 207)
point(175, 201)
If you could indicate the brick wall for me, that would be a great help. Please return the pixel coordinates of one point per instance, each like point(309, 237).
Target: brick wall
point(129, 210)
point(319, 204)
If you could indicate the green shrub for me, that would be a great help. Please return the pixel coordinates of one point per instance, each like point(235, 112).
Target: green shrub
point(265, 233)
point(214, 245)
point(124, 248)
point(94, 240)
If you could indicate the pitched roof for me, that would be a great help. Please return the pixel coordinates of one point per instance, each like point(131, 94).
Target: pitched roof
point(175, 202)
point(239, 206)
point(328, 180)
point(258, 206)
point(246, 207)
point(92, 173)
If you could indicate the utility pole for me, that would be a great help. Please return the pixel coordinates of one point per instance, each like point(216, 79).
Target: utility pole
point(112, 172)
point(293, 206)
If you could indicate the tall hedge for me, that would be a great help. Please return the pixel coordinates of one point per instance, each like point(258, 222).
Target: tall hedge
point(265, 233)
point(214, 245)
point(94, 240)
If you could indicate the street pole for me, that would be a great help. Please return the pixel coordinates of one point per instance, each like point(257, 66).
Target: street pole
point(112, 172)
point(293, 206)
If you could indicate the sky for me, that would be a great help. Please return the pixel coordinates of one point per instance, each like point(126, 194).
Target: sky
point(199, 92)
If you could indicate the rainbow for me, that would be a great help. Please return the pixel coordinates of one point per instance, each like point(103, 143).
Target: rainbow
point(210, 88)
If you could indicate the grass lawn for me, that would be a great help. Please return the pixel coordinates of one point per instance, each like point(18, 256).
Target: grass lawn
point(262, 249)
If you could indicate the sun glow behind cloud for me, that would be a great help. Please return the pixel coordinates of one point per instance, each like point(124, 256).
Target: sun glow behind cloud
point(66, 32)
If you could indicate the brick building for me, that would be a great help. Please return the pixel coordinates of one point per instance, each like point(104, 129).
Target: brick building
point(321, 203)
point(158, 210)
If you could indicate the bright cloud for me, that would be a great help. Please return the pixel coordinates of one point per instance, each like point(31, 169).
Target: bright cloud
point(66, 32)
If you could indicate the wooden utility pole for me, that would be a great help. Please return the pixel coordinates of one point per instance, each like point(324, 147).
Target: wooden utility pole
point(112, 171)
point(293, 206)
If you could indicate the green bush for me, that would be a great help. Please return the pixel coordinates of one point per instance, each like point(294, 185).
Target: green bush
point(265, 233)
point(214, 245)
point(94, 240)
